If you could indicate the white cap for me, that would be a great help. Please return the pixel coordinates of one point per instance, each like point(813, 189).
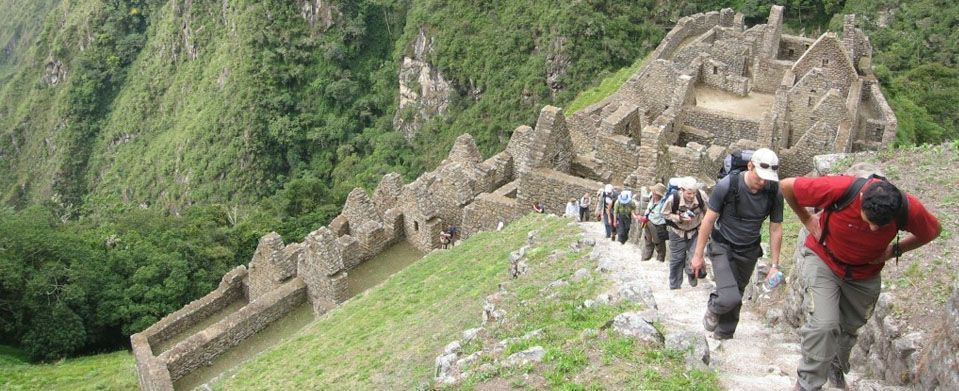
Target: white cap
point(765, 156)
point(609, 188)
point(687, 183)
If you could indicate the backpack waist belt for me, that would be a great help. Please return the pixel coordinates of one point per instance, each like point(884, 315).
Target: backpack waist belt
point(846, 266)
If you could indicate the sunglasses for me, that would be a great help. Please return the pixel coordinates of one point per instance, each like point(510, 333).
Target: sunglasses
point(767, 166)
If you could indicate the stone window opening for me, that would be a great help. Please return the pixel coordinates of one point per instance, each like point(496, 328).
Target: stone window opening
point(416, 226)
point(825, 62)
point(715, 69)
point(809, 102)
point(792, 52)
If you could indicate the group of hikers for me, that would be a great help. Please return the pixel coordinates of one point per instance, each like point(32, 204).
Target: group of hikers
point(853, 225)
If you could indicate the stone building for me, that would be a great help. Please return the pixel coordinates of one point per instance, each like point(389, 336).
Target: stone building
point(713, 82)
point(711, 86)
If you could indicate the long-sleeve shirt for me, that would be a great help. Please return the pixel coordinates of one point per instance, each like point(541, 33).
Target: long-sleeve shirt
point(684, 228)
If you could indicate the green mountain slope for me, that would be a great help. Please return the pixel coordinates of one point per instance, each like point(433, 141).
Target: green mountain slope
point(176, 103)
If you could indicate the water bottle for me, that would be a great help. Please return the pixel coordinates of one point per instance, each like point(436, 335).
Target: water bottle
point(773, 282)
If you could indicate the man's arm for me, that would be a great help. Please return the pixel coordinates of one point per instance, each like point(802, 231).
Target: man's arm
point(705, 229)
point(775, 243)
point(787, 186)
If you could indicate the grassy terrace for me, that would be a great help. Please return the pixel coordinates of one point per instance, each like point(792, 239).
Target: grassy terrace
point(111, 371)
point(389, 337)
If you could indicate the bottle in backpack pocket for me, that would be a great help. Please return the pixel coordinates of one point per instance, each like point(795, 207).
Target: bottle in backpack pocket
point(772, 282)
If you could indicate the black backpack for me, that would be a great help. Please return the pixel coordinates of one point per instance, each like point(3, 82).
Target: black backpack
point(735, 163)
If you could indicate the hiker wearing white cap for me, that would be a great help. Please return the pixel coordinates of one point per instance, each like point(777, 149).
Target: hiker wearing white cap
point(623, 215)
point(683, 212)
point(738, 206)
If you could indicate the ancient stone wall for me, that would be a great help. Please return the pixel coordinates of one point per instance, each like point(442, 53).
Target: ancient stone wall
point(553, 188)
point(938, 364)
point(725, 127)
point(792, 47)
point(619, 154)
point(323, 270)
point(688, 27)
point(203, 347)
point(857, 45)
point(803, 97)
point(885, 122)
point(827, 54)
point(229, 291)
point(583, 126)
point(153, 372)
point(722, 76)
point(848, 129)
point(488, 210)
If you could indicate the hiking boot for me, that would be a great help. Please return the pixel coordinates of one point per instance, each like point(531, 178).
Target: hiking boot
point(798, 387)
point(835, 375)
point(692, 280)
point(720, 337)
point(710, 320)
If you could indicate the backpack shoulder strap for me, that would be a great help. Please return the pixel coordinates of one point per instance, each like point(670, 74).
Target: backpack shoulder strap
point(675, 206)
point(844, 200)
point(850, 194)
point(699, 199)
point(903, 217)
point(733, 191)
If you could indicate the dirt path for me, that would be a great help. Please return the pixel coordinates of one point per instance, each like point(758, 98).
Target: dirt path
point(758, 358)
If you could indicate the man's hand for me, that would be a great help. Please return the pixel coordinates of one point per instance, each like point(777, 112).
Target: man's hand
point(886, 255)
point(772, 271)
point(697, 263)
point(812, 225)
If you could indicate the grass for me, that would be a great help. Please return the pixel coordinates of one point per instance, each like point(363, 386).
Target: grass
point(389, 337)
point(606, 87)
point(108, 371)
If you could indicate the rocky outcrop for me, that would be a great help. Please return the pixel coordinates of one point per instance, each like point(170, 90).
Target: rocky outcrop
point(54, 72)
point(424, 91)
point(320, 14)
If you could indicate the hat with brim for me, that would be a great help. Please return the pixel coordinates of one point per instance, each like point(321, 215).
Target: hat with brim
point(659, 189)
point(766, 157)
point(625, 197)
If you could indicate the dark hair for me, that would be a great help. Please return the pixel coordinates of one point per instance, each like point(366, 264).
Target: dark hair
point(881, 202)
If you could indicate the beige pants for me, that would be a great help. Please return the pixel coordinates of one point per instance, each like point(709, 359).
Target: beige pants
point(836, 309)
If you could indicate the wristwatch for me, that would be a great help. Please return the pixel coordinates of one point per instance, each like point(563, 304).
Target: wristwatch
point(896, 250)
point(775, 265)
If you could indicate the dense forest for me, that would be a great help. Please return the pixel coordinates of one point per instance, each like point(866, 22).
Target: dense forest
point(145, 145)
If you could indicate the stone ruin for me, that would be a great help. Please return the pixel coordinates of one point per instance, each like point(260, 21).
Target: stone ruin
point(713, 83)
point(465, 190)
point(711, 86)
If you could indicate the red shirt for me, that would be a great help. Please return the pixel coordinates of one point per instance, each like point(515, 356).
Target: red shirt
point(849, 237)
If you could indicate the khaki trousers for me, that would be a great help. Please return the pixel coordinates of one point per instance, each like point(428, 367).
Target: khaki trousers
point(836, 309)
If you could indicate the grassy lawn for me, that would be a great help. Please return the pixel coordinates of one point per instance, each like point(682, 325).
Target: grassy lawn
point(388, 337)
point(607, 87)
point(109, 371)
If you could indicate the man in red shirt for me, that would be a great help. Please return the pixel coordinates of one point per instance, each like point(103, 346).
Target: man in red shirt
point(841, 274)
